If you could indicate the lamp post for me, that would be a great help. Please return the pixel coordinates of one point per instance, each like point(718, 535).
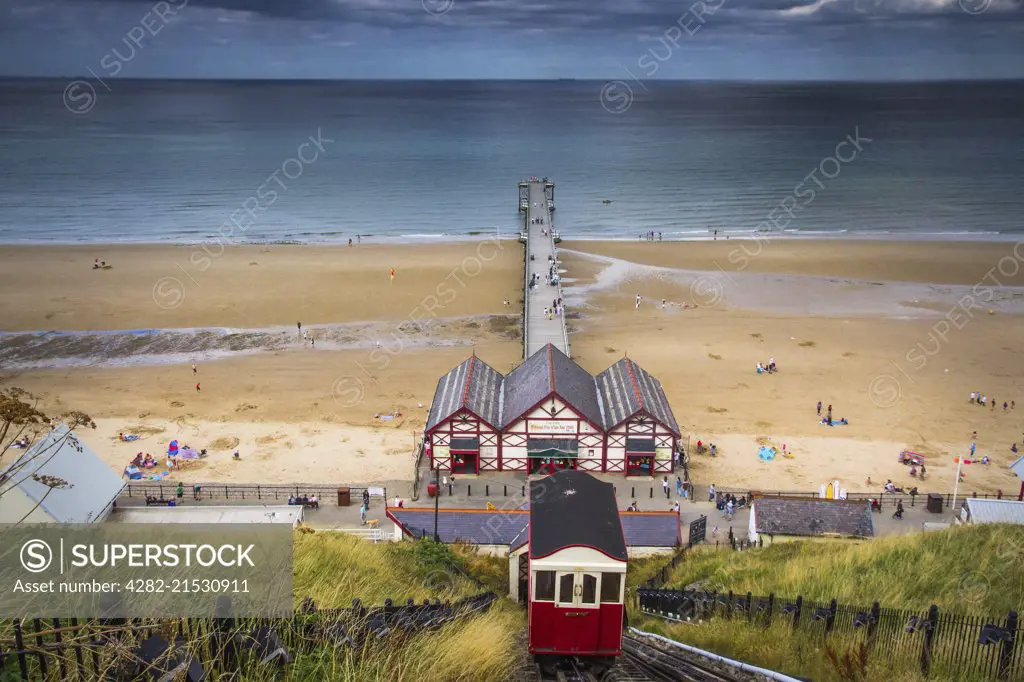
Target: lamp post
point(437, 498)
point(956, 483)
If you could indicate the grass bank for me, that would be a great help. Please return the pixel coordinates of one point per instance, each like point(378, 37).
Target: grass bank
point(965, 570)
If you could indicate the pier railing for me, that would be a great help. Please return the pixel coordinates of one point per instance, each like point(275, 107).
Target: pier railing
point(167, 490)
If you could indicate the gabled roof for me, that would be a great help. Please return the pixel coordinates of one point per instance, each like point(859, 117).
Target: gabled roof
point(571, 509)
point(474, 385)
point(995, 511)
point(92, 485)
point(548, 371)
point(813, 516)
point(626, 389)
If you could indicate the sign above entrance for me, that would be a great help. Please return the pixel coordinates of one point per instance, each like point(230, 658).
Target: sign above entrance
point(553, 427)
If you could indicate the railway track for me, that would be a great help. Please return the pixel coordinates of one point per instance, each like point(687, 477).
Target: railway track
point(644, 661)
point(660, 664)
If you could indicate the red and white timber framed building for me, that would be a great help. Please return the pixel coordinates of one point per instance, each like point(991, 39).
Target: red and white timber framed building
point(550, 414)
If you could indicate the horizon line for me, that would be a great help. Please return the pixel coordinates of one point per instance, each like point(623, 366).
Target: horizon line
point(738, 81)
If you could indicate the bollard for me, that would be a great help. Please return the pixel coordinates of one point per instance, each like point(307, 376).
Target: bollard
point(632, 492)
point(449, 490)
point(505, 489)
point(487, 490)
point(469, 490)
point(652, 493)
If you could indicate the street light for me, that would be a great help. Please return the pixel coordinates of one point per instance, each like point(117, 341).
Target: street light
point(437, 498)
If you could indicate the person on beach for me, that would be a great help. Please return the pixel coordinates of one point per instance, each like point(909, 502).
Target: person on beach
point(197, 387)
point(974, 435)
point(1005, 405)
point(638, 301)
point(350, 241)
point(819, 408)
point(829, 418)
point(312, 342)
point(299, 325)
point(711, 493)
point(194, 369)
point(663, 303)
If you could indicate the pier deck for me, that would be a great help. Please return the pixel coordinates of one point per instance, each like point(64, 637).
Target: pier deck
point(538, 330)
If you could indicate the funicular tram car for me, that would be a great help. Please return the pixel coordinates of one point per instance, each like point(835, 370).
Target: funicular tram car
point(577, 564)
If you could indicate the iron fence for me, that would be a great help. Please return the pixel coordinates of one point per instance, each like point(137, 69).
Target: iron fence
point(194, 649)
point(941, 645)
point(167, 490)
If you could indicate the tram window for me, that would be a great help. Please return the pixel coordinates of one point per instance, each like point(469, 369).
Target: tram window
point(565, 585)
point(610, 587)
point(544, 586)
point(589, 589)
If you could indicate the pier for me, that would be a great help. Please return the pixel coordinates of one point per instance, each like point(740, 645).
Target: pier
point(537, 201)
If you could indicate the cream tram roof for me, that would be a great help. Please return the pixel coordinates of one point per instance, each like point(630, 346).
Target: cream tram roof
point(607, 400)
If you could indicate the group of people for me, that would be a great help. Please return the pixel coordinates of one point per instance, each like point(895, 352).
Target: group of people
point(651, 236)
point(981, 399)
point(710, 448)
point(555, 309)
point(305, 501)
point(770, 368)
point(143, 462)
point(682, 488)
point(21, 443)
point(827, 419)
point(538, 220)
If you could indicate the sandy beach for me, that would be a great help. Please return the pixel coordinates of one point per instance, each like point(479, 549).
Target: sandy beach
point(853, 324)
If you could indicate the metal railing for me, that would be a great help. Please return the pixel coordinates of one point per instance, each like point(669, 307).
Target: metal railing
point(942, 645)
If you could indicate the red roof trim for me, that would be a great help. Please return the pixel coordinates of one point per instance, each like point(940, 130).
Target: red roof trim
point(636, 388)
point(469, 377)
point(551, 368)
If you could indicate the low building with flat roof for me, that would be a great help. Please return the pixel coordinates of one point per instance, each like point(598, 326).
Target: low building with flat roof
point(290, 514)
point(59, 479)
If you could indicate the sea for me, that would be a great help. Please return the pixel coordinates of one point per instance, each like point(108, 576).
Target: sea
point(257, 161)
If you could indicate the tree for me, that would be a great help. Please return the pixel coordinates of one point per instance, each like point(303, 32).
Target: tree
point(19, 415)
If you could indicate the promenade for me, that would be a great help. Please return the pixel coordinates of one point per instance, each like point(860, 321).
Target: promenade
point(538, 328)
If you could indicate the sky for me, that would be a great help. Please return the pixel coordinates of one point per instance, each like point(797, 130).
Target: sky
point(517, 39)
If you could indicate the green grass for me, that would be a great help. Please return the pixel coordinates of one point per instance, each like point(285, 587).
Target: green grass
point(968, 569)
point(335, 568)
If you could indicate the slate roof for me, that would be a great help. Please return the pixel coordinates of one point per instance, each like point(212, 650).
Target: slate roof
point(473, 384)
point(572, 508)
point(479, 527)
point(641, 529)
point(995, 511)
point(812, 516)
point(547, 371)
point(615, 395)
point(93, 486)
point(626, 388)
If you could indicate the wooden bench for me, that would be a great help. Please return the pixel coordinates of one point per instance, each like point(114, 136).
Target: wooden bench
point(159, 502)
point(305, 503)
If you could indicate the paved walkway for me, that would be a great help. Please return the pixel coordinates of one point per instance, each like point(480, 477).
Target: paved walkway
point(540, 250)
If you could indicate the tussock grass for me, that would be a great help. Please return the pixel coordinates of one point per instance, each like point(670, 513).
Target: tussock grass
point(776, 648)
point(968, 569)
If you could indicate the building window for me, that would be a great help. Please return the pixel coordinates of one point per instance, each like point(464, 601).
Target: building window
point(544, 586)
point(611, 586)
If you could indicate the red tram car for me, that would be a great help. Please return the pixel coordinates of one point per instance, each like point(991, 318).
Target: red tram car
point(577, 564)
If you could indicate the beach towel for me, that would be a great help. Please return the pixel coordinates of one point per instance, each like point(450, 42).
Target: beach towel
point(766, 453)
point(834, 423)
point(129, 438)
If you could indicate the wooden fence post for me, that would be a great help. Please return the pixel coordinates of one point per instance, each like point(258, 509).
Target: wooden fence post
point(799, 608)
point(750, 598)
point(19, 644)
point(771, 609)
point(728, 613)
point(876, 613)
point(1006, 655)
point(929, 638)
point(830, 619)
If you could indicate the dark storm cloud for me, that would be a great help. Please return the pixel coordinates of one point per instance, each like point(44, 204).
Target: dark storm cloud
point(582, 16)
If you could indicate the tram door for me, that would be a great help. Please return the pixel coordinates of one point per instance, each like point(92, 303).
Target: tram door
point(577, 609)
